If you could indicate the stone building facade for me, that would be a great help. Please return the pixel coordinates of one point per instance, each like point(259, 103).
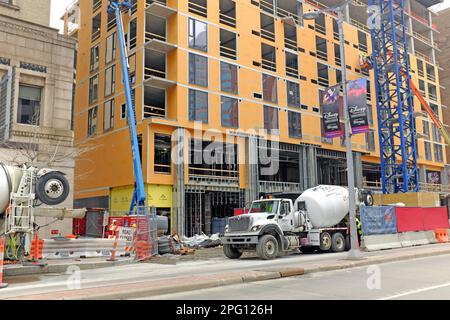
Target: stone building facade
point(36, 86)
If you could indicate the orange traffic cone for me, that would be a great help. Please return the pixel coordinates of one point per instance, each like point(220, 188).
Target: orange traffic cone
point(2, 253)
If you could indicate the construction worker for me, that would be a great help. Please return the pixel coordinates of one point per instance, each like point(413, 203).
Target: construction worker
point(359, 229)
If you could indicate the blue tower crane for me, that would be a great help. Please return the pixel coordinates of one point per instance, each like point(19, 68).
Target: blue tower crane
point(395, 103)
point(138, 203)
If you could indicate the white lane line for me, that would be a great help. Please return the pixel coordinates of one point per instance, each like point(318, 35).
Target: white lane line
point(416, 291)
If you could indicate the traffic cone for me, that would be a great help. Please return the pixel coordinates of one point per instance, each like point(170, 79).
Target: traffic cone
point(2, 254)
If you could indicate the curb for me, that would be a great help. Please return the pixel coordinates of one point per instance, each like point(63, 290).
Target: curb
point(60, 268)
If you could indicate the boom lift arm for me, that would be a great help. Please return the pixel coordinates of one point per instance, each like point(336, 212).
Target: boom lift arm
point(139, 195)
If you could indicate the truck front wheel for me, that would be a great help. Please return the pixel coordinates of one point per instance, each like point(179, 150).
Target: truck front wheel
point(267, 248)
point(325, 241)
point(231, 252)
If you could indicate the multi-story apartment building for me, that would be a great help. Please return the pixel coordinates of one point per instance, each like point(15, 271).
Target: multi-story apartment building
point(36, 82)
point(234, 67)
point(443, 40)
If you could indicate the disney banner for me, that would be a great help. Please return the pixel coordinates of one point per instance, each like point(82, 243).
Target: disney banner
point(329, 104)
point(357, 105)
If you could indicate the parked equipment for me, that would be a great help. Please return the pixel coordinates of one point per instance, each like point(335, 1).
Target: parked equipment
point(317, 220)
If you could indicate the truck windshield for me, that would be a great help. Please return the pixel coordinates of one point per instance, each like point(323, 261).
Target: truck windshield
point(265, 206)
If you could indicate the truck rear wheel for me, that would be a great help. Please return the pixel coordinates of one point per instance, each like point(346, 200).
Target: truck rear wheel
point(338, 243)
point(325, 241)
point(267, 247)
point(230, 252)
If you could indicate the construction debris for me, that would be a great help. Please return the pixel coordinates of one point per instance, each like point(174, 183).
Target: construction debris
point(202, 241)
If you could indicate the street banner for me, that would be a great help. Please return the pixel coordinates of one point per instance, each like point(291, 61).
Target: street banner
point(378, 220)
point(357, 105)
point(329, 104)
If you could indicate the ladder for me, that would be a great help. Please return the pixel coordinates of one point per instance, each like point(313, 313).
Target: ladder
point(19, 215)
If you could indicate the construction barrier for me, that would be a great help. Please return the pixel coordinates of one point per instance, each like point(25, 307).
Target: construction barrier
point(381, 242)
point(378, 220)
point(37, 247)
point(441, 235)
point(411, 239)
point(2, 255)
point(81, 248)
point(421, 219)
point(146, 239)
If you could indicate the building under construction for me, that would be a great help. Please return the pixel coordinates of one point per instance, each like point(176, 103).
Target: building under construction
point(246, 75)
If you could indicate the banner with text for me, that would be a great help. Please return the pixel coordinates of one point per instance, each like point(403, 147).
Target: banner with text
point(329, 104)
point(357, 105)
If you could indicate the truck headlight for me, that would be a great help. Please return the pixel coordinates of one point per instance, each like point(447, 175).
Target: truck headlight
point(256, 228)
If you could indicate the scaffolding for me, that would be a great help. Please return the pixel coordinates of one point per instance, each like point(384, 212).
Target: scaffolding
point(395, 105)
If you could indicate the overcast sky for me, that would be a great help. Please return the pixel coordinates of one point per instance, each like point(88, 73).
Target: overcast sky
point(59, 6)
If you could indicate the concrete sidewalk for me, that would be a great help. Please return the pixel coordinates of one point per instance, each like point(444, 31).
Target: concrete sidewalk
point(196, 282)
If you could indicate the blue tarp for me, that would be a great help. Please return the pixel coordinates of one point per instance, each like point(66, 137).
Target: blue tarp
point(378, 220)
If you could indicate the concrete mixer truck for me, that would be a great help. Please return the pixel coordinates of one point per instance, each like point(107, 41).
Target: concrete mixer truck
point(317, 220)
point(27, 192)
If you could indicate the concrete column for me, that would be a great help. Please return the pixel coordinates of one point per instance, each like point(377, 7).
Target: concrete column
point(312, 166)
point(251, 156)
point(347, 14)
point(178, 224)
point(303, 168)
point(357, 160)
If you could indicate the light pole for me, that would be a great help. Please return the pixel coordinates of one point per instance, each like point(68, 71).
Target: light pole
point(354, 252)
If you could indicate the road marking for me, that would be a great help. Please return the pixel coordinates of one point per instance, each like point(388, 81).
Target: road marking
point(416, 291)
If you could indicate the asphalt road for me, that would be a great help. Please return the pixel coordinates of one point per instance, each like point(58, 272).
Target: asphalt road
point(425, 278)
point(349, 284)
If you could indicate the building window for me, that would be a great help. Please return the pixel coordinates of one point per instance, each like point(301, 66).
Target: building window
point(322, 75)
point(96, 26)
point(198, 70)
point(199, 7)
point(108, 115)
point(230, 112)
point(92, 121)
point(111, 48)
point(295, 124)
point(436, 133)
point(438, 153)
point(198, 35)
point(362, 40)
point(271, 123)
point(133, 34)
point(132, 70)
point(270, 91)
point(370, 140)
point(95, 58)
point(321, 48)
point(110, 80)
point(228, 78)
point(198, 106)
point(29, 105)
point(426, 129)
point(123, 111)
point(163, 153)
point(428, 153)
point(93, 89)
point(293, 94)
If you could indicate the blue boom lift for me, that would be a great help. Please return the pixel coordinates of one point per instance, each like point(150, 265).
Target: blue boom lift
point(138, 203)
